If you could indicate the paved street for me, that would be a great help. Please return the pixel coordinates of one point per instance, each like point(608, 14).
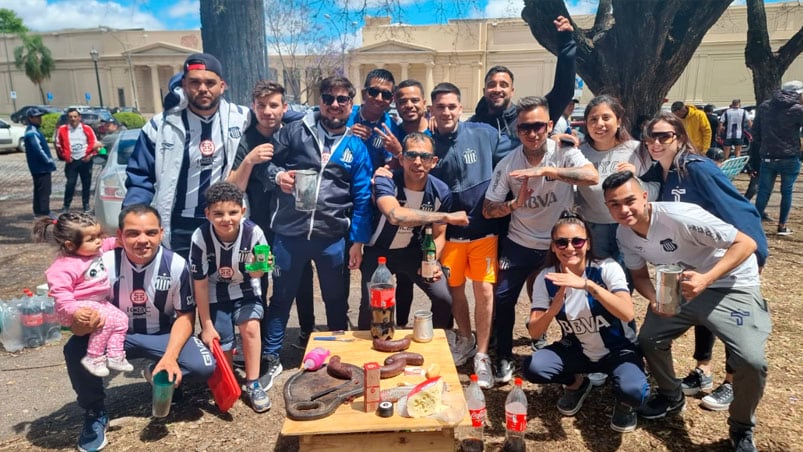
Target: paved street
point(16, 183)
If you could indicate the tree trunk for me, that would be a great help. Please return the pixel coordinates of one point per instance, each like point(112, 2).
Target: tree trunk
point(234, 32)
point(767, 66)
point(636, 50)
point(42, 93)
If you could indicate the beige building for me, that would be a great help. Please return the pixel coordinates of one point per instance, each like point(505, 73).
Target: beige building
point(134, 66)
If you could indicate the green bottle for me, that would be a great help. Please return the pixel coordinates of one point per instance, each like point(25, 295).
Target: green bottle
point(429, 260)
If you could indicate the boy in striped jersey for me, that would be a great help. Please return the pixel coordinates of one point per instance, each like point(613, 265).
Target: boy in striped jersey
point(226, 294)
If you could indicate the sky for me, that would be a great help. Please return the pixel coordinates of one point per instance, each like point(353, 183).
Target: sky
point(48, 15)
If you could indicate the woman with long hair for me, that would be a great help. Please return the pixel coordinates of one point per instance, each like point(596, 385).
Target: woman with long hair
point(687, 176)
point(590, 300)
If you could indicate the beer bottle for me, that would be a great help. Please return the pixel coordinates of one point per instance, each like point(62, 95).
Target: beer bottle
point(429, 261)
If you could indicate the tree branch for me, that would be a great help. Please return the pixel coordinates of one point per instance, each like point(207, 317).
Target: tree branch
point(604, 19)
point(790, 51)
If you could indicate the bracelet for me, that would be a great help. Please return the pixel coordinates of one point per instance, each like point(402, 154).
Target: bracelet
point(510, 205)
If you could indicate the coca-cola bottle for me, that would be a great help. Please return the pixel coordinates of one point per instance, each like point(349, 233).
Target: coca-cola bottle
point(51, 328)
point(429, 261)
point(32, 319)
point(515, 419)
point(382, 291)
point(475, 399)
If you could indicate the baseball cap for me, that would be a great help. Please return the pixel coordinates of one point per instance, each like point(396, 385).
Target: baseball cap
point(34, 112)
point(793, 85)
point(678, 105)
point(203, 62)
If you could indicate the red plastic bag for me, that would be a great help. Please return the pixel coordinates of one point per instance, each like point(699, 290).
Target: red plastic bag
point(223, 384)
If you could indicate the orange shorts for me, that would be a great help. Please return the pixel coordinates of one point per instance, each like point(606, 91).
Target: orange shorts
point(475, 260)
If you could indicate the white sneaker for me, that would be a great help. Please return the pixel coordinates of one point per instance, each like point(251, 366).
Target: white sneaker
point(96, 365)
point(484, 371)
point(463, 349)
point(119, 363)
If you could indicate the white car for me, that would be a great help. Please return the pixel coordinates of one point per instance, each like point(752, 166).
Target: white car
point(110, 186)
point(11, 136)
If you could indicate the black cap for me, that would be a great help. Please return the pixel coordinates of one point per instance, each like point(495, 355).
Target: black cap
point(203, 62)
point(34, 112)
point(677, 105)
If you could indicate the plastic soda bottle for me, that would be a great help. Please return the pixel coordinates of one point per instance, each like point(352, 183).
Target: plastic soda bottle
point(314, 359)
point(11, 335)
point(382, 290)
point(475, 399)
point(515, 419)
point(32, 320)
point(51, 327)
point(429, 261)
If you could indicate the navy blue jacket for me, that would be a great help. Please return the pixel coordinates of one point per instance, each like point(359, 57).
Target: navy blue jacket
point(708, 187)
point(37, 152)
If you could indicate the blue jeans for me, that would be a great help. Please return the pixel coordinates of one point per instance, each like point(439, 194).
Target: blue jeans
point(291, 255)
point(788, 169)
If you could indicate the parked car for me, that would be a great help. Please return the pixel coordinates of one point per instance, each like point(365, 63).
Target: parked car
point(110, 187)
point(91, 117)
point(11, 136)
point(124, 110)
point(20, 116)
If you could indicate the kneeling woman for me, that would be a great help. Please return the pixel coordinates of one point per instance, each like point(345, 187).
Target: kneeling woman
point(591, 302)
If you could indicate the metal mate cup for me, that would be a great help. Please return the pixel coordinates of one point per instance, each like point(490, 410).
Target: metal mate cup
point(422, 326)
point(305, 189)
point(667, 288)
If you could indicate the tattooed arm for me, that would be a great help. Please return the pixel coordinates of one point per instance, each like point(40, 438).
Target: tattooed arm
point(402, 216)
point(499, 209)
point(581, 175)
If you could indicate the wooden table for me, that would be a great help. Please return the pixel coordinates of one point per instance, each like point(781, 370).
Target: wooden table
point(351, 429)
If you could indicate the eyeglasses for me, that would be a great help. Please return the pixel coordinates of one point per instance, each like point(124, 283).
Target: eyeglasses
point(530, 127)
point(374, 91)
point(329, 99)
point(661, 137)
point(425, 157)
point(563, 243)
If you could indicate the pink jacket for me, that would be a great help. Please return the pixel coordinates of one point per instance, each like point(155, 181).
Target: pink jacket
point(75, 279)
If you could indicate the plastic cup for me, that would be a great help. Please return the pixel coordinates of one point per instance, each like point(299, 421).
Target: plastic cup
point(305, 189)
point(261, 259)
point(162, 394)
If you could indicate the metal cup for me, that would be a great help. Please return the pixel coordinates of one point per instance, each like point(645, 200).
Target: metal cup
point(306, 186)
point(667, 288)
point(422, 326)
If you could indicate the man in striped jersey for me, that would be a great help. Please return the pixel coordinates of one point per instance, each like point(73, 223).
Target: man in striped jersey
point(151, 284)
point(182, 152)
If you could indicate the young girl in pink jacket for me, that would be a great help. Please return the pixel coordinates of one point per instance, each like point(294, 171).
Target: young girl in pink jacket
point(78, 279)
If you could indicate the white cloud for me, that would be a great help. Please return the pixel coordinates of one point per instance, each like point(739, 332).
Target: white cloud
point(503, 8)
point(184, 8)
point(41, 15)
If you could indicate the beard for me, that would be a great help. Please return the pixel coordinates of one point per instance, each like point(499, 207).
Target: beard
point(211, 108)
point(333, 123)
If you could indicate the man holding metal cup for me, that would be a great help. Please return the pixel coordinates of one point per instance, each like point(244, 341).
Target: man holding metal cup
point(721, 287)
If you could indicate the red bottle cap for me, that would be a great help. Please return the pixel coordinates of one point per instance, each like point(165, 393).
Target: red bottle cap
point(382, 260)
point(474, 378)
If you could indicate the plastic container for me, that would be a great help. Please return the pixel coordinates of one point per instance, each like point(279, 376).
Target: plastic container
point(163, 390)
point(315, 358)
point(473, 440)
point(32, 320)
point(382, 290)
point(515, 419)
point(11, 334)
point(222, 383)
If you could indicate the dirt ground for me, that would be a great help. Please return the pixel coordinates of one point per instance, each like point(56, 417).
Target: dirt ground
point(38, 410)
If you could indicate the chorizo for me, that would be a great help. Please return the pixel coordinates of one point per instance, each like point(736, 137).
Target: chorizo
point(336, 368)
point(391, 345)
point(394, 364)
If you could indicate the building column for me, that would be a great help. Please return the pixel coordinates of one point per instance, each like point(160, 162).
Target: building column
point(354, 74)
point(157, 98)
point(404, 67)
point(430, 83)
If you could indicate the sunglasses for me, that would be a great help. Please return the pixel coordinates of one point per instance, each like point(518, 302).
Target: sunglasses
point(563, 243)
point(412, 155)
point(329, 99)
point(531, 127)
point(661, 137)
point(374, 91)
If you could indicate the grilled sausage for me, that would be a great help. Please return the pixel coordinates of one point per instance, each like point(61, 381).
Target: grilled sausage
point(394, 364)
point(391, 345)
point(336, 369)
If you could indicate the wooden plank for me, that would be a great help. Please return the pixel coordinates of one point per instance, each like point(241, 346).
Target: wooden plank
point(350, 418)
point(371, 442)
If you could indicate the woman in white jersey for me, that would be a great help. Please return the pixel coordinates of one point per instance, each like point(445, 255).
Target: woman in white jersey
point(590, 300)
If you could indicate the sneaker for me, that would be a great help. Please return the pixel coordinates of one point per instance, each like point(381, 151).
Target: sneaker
point(503, 371)
point(273, 367)
point(96, 365)
point(259, 399)
point(93, 435)
point(484, 371)
point(659, 406)
point(742, 441)
point(624, 418)
point(119, 363)
point(538, 344)
point(784, 230)
point(720, 399)
point(462, 349)
point(572, 399)
point(597, 378)
point(303, 340)
point(695, 382)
